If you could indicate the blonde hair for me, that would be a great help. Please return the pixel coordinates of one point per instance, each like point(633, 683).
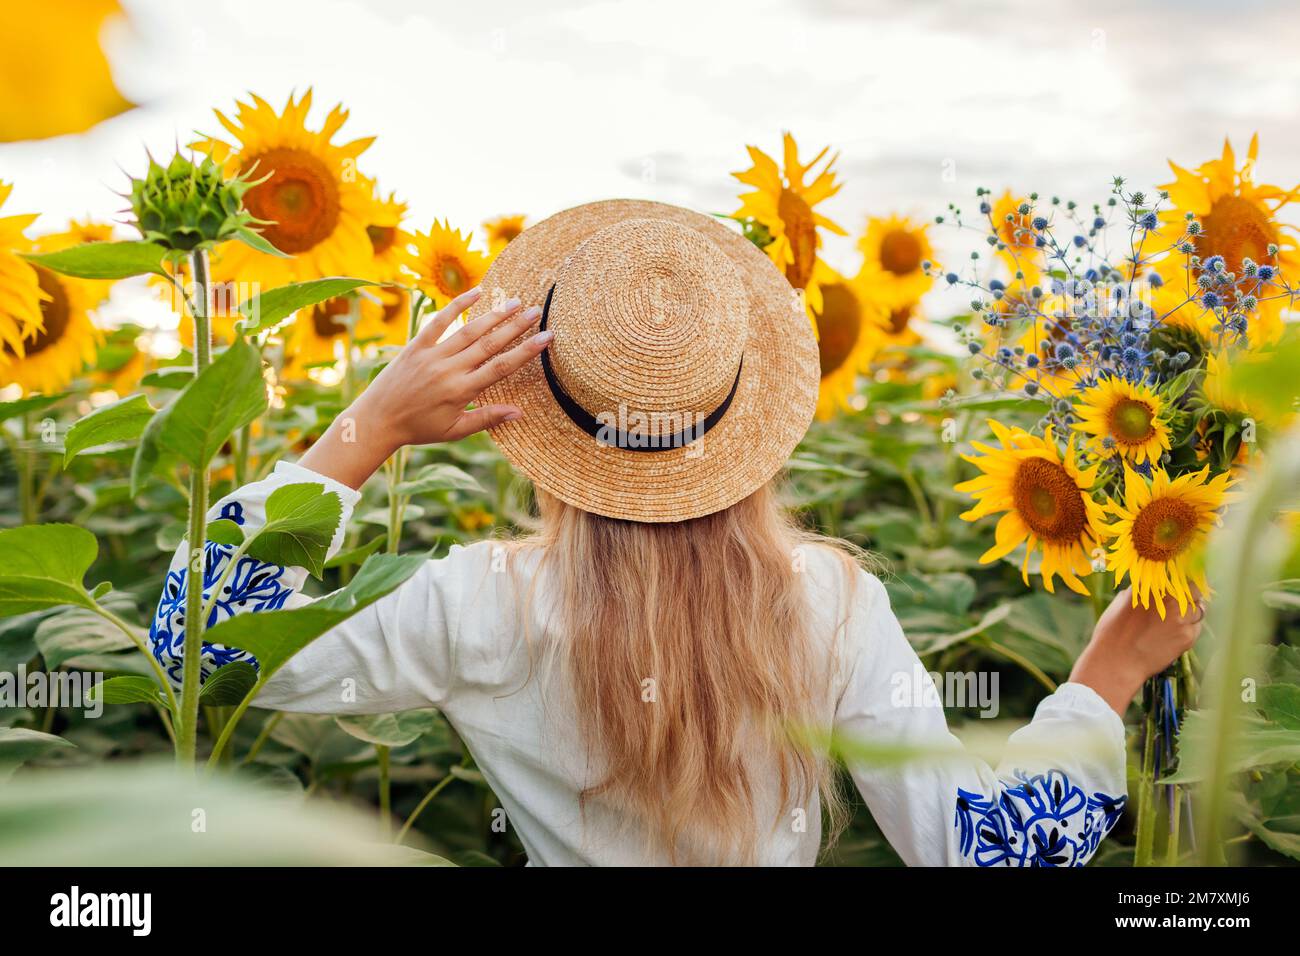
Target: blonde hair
point(693, 668)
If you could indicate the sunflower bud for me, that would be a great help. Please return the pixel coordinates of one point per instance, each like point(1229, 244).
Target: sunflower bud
point(185, 205)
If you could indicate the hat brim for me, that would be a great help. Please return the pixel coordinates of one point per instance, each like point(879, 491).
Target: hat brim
point(772, 409)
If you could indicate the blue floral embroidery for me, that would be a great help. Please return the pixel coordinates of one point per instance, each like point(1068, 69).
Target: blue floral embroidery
point(253, 586)
point(1045, 820)
point(233, 511)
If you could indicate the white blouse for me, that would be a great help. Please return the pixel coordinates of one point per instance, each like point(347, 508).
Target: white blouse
point(451, 638)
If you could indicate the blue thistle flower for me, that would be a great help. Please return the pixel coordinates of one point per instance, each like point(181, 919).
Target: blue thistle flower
point(1211, 300)
point(1149, 221)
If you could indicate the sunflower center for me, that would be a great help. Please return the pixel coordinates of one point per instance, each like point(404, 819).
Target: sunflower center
point(381, 238)
point(1164, 529)
point(56, 312)
point(1048, 500)
point(1235, 228)
point(300, 198)
point(898, 319)
point(507, 232)
point(451, 275)
point(801, 229)
point(395, 309)
point(324, 317)
point(1132, 421)
point(838, 326)
point(900, 252)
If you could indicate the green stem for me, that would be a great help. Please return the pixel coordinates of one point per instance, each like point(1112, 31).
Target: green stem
point(419, 807)
point(396, 470)
point(385, 793)
point(138, 641)
point(228, 731)
point(1144, 854)
point(1025, 663)
point(922, 503)
point(262, 737)
point(211, 602)
point(188, 717)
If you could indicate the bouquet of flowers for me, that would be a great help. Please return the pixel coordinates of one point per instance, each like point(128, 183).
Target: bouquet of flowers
point(1123, 322)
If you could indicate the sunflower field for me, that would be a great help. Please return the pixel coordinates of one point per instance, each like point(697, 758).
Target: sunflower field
point(1027, 404)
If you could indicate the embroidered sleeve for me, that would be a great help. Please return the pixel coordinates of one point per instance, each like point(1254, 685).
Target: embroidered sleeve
point(251, 587)
point(1058, 790)
point(1042, 820)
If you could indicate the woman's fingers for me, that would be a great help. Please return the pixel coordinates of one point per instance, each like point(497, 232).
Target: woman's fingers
point(476, 342)
point(504, 363)
point(443, 318)
point(478, 419)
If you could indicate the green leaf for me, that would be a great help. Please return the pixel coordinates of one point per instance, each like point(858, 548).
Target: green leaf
point(391, 730)
point(173, 377)
point(275, 636)
point(225, 531)
point(439, 477)
point(356, 555)
point(255, 240)
point(229, 685)
point(272, 307)
point(103, 814)
point(42, 566)
point(19, 745)
point(22, 406)
point(807, 463)
point(128, 690)
point(120, 422)
point(1260, 745)
point(196, 423)
point(75, 631)
point(1281, 704)
point(300, 522)
point(105, 260)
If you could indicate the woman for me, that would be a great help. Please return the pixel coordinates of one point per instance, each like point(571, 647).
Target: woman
point(646, 680)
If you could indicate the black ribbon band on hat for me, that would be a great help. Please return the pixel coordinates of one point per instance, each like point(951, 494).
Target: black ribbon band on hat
point(609, 435)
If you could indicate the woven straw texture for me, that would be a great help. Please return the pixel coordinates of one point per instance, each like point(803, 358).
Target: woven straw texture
point(654, 309)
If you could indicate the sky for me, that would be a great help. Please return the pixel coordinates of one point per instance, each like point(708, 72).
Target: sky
point(486, 108)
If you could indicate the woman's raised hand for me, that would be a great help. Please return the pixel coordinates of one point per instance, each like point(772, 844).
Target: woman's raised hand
point(421, 395)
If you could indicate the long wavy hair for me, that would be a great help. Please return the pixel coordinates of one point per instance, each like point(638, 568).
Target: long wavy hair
point(693, 668)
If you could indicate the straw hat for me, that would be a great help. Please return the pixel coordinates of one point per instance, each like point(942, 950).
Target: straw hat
point(683, 371)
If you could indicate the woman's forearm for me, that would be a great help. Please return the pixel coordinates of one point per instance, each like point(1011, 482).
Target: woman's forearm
point(351, 450)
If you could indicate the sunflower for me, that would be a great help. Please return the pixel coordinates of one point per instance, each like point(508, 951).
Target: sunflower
point(1046, 502)
point(846, 343)
point(320, 334)
point(444, 264)
point(1015, 230)
point(67, 341)
point(20, 287)
point(54, 77)
point(501, 230)
point(1125, 420)
point(387, 314)
point(1238, 220)
point(1158, 533)
point(318, 204)
point(784, 203)
point(894, 251)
